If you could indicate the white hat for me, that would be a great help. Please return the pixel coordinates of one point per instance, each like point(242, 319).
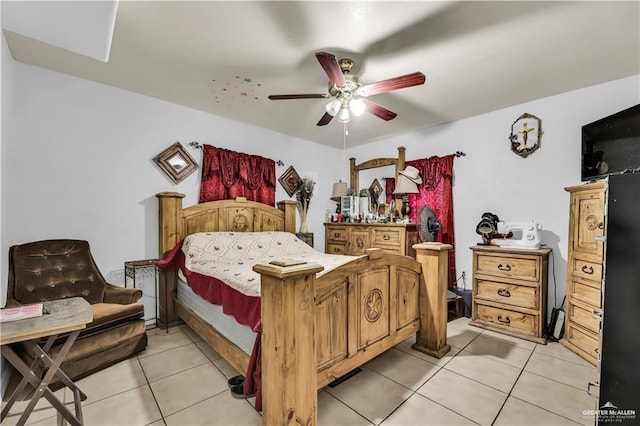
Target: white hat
point(412, 173)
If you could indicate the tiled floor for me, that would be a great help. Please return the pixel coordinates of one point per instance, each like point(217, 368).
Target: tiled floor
point(486, 379)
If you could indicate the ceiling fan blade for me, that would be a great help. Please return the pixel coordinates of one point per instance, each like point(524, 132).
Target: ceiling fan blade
point(330, 66)
point(300, 96)
point(409, 80)
point(326, 119)
point(378, 110)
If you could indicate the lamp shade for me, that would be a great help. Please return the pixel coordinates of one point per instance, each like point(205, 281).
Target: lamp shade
point(339, 190)
point(404, 185)
point(343, 115)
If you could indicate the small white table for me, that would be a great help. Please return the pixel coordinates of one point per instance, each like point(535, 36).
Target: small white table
point(64, 316)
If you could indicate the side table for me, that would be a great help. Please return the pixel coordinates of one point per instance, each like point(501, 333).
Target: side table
point(307, 237)
point(64, 316)
point(143, 274)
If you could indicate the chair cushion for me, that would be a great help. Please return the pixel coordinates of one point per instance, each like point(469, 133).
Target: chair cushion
point(110, 315)
point(55, 269)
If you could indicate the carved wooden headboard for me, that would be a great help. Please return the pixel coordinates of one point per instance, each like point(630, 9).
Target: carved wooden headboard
point(239, 215)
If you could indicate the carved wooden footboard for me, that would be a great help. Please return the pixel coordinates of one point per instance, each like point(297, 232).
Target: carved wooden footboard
point(315, 330)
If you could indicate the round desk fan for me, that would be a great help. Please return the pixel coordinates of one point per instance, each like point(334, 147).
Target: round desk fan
point(427, 224)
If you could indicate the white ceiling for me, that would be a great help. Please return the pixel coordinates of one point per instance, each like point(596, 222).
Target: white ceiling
point(226, 57)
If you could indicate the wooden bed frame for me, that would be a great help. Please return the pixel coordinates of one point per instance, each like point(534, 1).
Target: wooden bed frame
point(314, 330)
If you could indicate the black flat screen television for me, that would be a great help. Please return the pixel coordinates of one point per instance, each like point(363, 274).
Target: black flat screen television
point(611, 145)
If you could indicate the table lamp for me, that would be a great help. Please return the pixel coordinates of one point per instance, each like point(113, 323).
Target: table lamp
point(339, 190)
point(407, 183)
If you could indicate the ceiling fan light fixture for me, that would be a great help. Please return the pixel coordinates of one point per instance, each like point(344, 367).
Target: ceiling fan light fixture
point(333, 107)
point(344, 116)
point(357, 107)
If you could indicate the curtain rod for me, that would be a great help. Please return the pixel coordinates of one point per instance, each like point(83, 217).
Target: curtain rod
point(196, 145)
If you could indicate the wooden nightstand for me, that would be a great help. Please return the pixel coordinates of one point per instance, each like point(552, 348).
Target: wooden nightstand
point(510, 291)
point(307, 237)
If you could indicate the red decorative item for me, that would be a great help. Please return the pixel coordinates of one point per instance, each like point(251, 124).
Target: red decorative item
point(228, 174)
point(437, 193)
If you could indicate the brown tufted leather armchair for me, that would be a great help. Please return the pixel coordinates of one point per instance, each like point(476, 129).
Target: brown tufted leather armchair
point(57, 269)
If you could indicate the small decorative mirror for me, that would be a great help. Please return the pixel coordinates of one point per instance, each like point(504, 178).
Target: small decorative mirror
point(176, 162)
point(526, 133)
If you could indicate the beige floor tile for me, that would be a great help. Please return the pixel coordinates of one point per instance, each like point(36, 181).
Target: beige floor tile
point(42, 410)
point(523, 343)
point(118, 378)
point(371, 395)
point(517, 412)
point(208, 351)
point(332, 412)
point(556, 350)
point(419, 410)
point(403, 368)
point(461, 336)
point(466, 397)
point(553, 396)
point(562, 371)
point(226, 368)
point(482, 369)
point(499, 350)
point(405, 347)
point(172, 361)
point(186, 388)
point(190, 333)
point(462, 323)
point(159, 340)
point(133, 407)
point(222, 409)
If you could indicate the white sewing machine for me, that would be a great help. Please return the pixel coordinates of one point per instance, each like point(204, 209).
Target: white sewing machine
point(525, 235)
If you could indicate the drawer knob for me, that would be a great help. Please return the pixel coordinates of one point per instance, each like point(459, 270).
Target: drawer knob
point(336, 250)
point(506, 268)
point(337, 234)
point(504, 292)
point(386, 237)
point(587, 269)
point(601, 225)
point(505, 320)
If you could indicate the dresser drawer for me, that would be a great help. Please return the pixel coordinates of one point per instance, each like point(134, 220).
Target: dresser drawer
point(510, 267)
point(581, 315)
point(586, 291)
point(388, 249)
point(584, 340)
point(386, 237)
point(516, 321)
point(512, 294)
point(339, 234)
point(336, 248)
point(587, 270)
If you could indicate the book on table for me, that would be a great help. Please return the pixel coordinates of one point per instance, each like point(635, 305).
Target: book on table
point(21, 312)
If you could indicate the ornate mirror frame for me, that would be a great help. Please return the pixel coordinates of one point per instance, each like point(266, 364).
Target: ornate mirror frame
point(526, 133)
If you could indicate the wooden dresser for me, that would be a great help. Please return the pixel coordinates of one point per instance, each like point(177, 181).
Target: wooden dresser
point(587, 228)
point(355, 238)
point(510, 291)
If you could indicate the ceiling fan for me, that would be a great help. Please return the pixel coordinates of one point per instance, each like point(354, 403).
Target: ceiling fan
point(349, 94)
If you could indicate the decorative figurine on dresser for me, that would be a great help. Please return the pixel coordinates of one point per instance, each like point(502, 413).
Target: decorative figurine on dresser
point(510, 279)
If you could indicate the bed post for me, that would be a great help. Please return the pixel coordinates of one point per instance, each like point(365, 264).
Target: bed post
point(432, 336)
point(289, 209)
point(289, 365)
point(170, 231)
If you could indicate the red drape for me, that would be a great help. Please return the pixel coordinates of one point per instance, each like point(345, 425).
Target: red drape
point(436, 192)
point(228, 174)
point(389, 187)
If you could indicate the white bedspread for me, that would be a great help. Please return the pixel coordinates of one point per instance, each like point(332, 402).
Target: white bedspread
point(230, 256)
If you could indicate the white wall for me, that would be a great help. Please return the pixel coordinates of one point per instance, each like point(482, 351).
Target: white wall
point(491, 178)
point(80, 165)
point(7, 109)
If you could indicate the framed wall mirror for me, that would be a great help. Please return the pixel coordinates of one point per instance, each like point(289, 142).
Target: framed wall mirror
point(176, 162)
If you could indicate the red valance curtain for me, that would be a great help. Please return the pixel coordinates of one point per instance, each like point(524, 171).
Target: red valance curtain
point(436, 192)
point(228, 174)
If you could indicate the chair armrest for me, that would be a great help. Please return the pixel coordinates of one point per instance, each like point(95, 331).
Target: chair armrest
point(122, 296)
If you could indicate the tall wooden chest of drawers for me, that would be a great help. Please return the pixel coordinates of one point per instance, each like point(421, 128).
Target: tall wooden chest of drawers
point(355, 238)
point(585, 266)
point(510, 291)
